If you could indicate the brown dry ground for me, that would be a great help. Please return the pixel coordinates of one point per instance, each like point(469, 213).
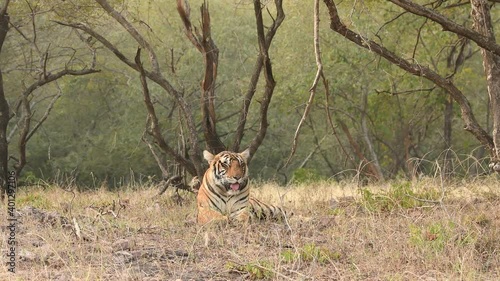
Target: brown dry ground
point(338, 231)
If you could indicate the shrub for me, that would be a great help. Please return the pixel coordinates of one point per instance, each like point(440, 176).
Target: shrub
point(256, 270)
point(309, 253)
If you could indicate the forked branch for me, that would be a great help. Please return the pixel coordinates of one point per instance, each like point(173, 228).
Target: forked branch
point(271, 32)
point(264, 44)
point(468, 117)
point(448, 25)
point(205, 44)
point(133, 32)
point(26, 132)
point(155, 76)
point(154, 126)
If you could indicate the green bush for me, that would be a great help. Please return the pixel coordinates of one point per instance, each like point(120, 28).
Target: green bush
point(309, 253)
point(305, 175)
point(400, 195)
point(435, 236)
point(34, 200)
point(256, 270)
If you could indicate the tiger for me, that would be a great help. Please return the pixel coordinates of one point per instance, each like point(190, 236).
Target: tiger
point(224, 194)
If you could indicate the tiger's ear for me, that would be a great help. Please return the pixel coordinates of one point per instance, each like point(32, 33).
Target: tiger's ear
point(208, 156)
point(245, 154)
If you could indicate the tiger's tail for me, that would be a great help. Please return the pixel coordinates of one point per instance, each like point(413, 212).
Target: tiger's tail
point(262, 211)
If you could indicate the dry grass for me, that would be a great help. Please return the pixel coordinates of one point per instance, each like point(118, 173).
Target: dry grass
point(397, 231)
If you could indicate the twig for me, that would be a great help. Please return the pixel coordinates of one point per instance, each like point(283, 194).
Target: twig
point(77, 229)
point(46, 114)
point(159, 162)
point(330, 122)
point(133, 32)
point(312, 90)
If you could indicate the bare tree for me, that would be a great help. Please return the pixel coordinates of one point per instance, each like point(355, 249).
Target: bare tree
point(368, 168)
point(40, 67)
point(482, 35)
point(201, 39)
point(482, 23)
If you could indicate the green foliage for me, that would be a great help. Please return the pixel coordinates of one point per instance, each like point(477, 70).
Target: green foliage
point(336, 211)
point(289, 256)
point(436, 236)
point(433, 236)
point(400, 195)
point(310, 252)
point(96, 136)
point(36, 200)
point(93, 134)
point(30, 178)
point(256, 270)
point(305, 176)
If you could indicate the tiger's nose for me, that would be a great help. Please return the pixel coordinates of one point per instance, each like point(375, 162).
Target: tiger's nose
point(237, 177)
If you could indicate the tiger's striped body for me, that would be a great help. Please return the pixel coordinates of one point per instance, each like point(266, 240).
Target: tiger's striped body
point(224, 193)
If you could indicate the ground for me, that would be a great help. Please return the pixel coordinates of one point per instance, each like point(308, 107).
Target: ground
point(422, 230)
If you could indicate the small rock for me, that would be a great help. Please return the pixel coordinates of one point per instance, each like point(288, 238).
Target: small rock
point(27, 256)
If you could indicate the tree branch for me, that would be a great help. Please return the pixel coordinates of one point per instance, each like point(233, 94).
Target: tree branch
point(26, 133)
point(185, 13)
point(133, 32)
point(468, 117)
point(53, 77)
point(372, 171)
point(205, 44)
point(4, 109)
point(3, 11)
point(159, 161)
point(264, 44)
point(448, 25)
point(312, 90)
point(155, 130)
point(26, 120)
point(162, 82)
point(254, 80)
point(491, 64)
point(45, 115)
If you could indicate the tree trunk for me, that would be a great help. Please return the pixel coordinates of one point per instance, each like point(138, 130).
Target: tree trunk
point(491, 63)
point(4, 153)
point(211, 59)
point(447, 129)
point(366, 136)
point(4, 110)
point(371, 170)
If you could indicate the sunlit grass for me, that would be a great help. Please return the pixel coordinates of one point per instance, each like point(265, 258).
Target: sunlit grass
point(396, 230)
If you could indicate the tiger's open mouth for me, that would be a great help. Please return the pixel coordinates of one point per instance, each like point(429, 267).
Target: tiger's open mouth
point(235, 186)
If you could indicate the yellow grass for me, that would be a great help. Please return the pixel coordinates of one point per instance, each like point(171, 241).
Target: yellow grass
point(336, 232)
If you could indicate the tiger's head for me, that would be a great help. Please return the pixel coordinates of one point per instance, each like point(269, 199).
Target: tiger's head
point(229, 170)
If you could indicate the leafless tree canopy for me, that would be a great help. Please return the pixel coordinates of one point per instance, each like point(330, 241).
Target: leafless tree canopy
point(46, 72)
point(482, 35)
point(201, 38)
